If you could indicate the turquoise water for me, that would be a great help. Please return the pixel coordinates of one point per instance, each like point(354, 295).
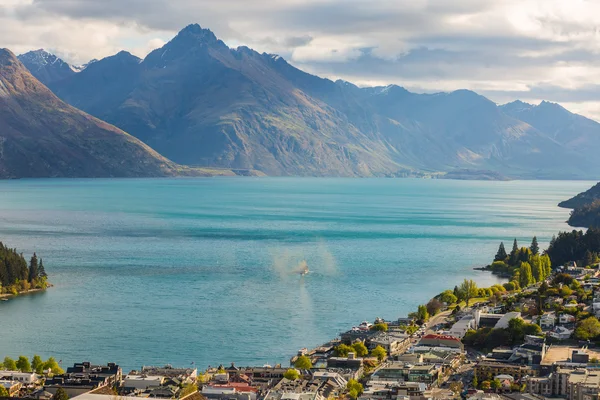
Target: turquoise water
point(202, 270)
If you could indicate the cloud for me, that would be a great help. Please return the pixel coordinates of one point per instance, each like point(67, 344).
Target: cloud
point(504, 49)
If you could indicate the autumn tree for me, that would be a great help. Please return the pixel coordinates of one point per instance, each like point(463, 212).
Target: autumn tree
point(468, 290)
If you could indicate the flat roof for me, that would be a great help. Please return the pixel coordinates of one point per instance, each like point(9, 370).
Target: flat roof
point(564, 353)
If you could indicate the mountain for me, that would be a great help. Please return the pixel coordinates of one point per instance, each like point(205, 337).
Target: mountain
point(199, 102)
point(573, 131)
point(41, 136)
point(46, 67)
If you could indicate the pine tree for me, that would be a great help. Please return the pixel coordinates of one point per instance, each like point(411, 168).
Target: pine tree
point(33, 268)
point(535, 248)
point(501, 254)
point(41, 270)
point(514, 254)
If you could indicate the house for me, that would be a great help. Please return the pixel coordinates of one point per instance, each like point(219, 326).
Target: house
point(566, 319)
point(547, 321)
point(12, 387)
point(560, 333)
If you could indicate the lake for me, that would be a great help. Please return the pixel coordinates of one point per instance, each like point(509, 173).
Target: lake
point(156, 271)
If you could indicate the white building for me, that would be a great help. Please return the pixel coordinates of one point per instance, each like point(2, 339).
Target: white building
point(26, 378)
point(560, 333)
point(460, 327)
point(142, 382)
point(547, 321)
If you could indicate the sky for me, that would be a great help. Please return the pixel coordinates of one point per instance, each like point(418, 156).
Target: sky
point(530, 50)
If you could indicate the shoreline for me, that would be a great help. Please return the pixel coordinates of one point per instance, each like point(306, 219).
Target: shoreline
point(7, 296)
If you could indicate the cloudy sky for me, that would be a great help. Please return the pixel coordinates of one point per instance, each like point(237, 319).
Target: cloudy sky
point(504, 49)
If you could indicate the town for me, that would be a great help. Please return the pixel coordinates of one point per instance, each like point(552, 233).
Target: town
point(532, 337)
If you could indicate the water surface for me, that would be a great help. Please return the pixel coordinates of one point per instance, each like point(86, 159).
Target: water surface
point(156, 271)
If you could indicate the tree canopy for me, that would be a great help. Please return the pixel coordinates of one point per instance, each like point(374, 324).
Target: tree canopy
point(379, 352)
point(303, 362)
point(16, 274)
point(291, 374)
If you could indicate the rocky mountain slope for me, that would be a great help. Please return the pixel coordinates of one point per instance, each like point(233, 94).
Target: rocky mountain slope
point(41, 136)
point(198, 102)
point(46, 67)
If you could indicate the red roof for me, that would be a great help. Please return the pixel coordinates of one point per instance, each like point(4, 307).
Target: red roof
point(441, 337)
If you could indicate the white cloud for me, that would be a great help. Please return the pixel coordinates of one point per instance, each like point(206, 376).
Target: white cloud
point(503, 48)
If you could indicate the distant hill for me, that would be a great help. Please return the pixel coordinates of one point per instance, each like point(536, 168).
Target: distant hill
point(41, 136)
point(199, 102)
point(46, 67)
point(583, 199)
point(586, 208)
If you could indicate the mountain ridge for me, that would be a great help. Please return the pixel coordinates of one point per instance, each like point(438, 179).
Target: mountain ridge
point(41, 136)
point(199, 102)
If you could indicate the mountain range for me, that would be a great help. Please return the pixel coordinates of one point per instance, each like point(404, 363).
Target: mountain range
point(198, 102)
point(42, 136)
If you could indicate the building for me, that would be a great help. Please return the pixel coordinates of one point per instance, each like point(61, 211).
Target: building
point(488, 369)
point(26, 378)
point(12, 387)
point(142, 382)
point(566, 319)
point(560, 333)
point(462, 326)
point(237, 391)
point(84, 377)
point(547, 321)
point(434, 340)
point(168, 371)
point(395, 391)
point(393, 342)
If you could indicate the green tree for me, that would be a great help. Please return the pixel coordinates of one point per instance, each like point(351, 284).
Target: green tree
point(60, 394)
point(501, 254)
point(187, 389)
point(422, 314)
point(23, 364)
point(379, 352)
point(535, 248)
point(37, 364)
point(4, 392)
point(380, 327)
point(354, 388)
point(303, 362)
point(33, 268)
point(495, 384)
point(10, 364)
point(588, 329)
point(475, 382)
point(291, 374)
point(525, 275)
point(514, 254)
point(342, 350)
point(53, 366)
point(360, 349)
point(42, 270)
point(468, 290)
point(486, 385)
point(448, 297)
